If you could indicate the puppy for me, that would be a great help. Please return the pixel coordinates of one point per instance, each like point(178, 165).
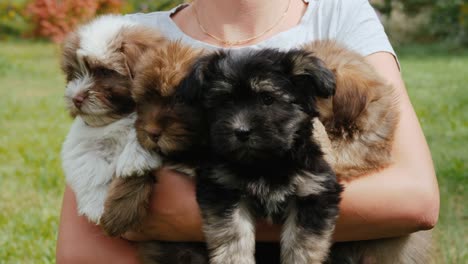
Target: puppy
point(361, 118)
point(167, 127)
point(165, 124)
point(360, 122)
point(98, 60)
point(263, 162)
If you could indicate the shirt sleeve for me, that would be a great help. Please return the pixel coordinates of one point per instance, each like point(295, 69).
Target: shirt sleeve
point(152, 19)
point(360, 28)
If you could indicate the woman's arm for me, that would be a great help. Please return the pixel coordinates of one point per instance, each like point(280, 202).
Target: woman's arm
point(400, 199)
point(81, 242)
point(175, 216)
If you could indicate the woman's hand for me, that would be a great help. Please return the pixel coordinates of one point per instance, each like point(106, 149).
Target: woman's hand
point(175, 215)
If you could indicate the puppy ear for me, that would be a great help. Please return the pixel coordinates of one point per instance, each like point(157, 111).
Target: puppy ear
point(193, 87)
point(134, 42)
point(69, 62)
point(310, 75)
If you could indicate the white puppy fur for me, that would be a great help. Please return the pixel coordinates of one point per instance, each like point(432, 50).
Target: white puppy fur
point(97, 36)
point(91, 156)
point(134, 159)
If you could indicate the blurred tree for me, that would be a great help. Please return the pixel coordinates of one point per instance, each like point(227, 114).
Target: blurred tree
point(409, 6)
point(151, 5)
point(53, 19)
point(448, 18)
point(12, 21)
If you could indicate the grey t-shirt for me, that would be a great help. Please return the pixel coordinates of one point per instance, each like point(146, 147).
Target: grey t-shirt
point(353, 23)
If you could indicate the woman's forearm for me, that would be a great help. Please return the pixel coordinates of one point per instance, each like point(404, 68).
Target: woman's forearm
point(373, 207)
point(80, 241)
point(386, 204)
point(389, 203)
point(383, 205)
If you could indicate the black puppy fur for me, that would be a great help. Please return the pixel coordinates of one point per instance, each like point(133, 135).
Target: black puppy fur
point(263, 162)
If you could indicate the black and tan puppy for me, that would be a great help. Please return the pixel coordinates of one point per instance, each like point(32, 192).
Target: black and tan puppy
point(263, 161)
point(360, 122)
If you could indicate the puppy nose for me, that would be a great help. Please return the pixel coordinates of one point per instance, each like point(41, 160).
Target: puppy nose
point(79, 99)
point(242, 133)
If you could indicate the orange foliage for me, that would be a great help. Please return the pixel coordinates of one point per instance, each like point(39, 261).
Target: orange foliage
point(53, 19)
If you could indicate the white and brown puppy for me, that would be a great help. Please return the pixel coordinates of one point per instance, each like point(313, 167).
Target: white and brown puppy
point(360, 122)
point(98, 60)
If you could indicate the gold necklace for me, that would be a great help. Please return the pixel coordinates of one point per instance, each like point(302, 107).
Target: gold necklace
point(238, 42)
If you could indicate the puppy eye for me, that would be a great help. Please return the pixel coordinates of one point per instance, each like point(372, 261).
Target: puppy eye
point(163, 121)
point(178, 99)
point(267, 99)
point(103, 72)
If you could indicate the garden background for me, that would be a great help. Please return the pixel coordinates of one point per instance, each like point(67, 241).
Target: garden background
point(430, 38)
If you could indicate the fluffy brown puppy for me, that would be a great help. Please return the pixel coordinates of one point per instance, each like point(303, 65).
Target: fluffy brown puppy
point(360, 122)
point(168, 128)
point(162, 127)
point(164, 124)
point(361, 118)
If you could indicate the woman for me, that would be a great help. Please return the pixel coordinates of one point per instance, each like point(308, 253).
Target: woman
point(400, 199)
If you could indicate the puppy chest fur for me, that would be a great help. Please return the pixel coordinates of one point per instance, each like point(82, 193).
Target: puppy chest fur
point(89, 156)
point(268, 191)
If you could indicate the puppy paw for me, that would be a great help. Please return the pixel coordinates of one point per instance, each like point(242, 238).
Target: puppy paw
point(135, 160)
point(92, 213)
point(91, 204)
point(127, 204)
point(321, 137)
point(181, 168)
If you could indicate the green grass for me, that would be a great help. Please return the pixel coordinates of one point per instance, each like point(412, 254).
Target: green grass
point(33, 124)
point(436, 79)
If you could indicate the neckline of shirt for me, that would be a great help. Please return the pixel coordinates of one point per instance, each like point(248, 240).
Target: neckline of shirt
point(179, 32)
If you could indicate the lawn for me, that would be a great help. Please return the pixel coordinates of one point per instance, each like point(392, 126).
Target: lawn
point(33, 123)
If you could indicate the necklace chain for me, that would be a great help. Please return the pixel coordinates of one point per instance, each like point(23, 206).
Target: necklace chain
point(231, 43)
